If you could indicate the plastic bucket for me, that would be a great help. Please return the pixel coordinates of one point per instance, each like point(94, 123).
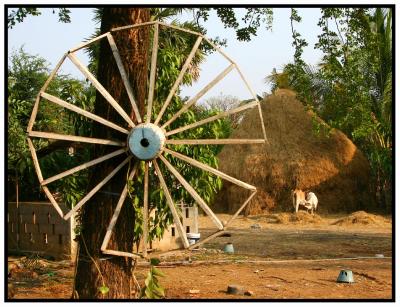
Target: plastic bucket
point(345, 276)
point(193, 237)
point(229, 248)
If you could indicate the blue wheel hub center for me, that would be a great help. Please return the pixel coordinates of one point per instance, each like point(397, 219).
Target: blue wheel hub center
point(146, 141)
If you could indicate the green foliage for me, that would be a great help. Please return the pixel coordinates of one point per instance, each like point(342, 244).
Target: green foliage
point(18, 15)
point(253, 19)
point(152, 288)
point(352, 89)
point(26, 76)
point(104, 290)
point(298, 42)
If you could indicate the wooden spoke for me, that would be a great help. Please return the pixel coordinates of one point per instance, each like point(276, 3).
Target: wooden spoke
point(194, 194)
point(213, 118)
point(179, 79)
point(83, 112)
point(210, 169)
point(96, 188)
point(199, 95)
point(89, 42)
point(255, 97)
point(100, 88)
point(53, 201)
point(35, 160)
point(40, 177)
point(215, 142)
point(117, 210)
point(145, 225)
point(44, 87)
point(152, 73)
point(219, 50)
point(83, 166)
point(124, 76)
point(134, 26)
point(74, 138)
point(240, 209)
point(120, 254)
point(205, 240)
point(180, 29)
point(171, 205)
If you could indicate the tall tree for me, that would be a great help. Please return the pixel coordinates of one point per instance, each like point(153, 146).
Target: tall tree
point(93, 276)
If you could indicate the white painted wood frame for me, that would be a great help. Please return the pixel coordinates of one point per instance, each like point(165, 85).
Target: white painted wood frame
point(96, 188)
point(172, 207)
point(154, 52)
point(114, 218)
point(193, 193)
point(200, 94)
point(124, 76)
point(179, 79)
point(83, 112)
point(101, 89)
point(213, 118)
point(74, 138)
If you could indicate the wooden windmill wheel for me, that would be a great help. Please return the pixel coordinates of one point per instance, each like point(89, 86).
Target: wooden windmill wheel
point(144, 140)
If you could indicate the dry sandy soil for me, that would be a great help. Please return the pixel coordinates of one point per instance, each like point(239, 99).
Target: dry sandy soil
point(277, 256)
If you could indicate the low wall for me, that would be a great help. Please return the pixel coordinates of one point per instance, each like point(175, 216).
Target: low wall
point(36, 227)
point(171, 239)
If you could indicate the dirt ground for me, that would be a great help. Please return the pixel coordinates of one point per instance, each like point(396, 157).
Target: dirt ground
point(277, 256)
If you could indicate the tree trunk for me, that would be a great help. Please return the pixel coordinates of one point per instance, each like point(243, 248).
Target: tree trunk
point(113, 272)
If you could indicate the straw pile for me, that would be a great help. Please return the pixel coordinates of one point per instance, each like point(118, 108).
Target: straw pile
point(296, 156)
point(363, 218)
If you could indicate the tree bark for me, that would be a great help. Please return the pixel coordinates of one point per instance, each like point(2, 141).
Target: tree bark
point(114, 272)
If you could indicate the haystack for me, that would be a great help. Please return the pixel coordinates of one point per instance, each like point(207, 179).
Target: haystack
point(295, 156)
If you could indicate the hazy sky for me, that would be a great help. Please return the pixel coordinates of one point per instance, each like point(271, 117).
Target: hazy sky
point(50, 39)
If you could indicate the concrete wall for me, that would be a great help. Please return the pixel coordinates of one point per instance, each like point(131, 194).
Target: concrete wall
point(171, 238)
point(36, 227)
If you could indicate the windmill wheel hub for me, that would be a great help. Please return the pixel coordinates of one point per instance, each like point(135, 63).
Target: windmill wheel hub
point(146, 141)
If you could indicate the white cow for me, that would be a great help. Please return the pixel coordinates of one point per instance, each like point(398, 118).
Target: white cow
point(311, 202)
